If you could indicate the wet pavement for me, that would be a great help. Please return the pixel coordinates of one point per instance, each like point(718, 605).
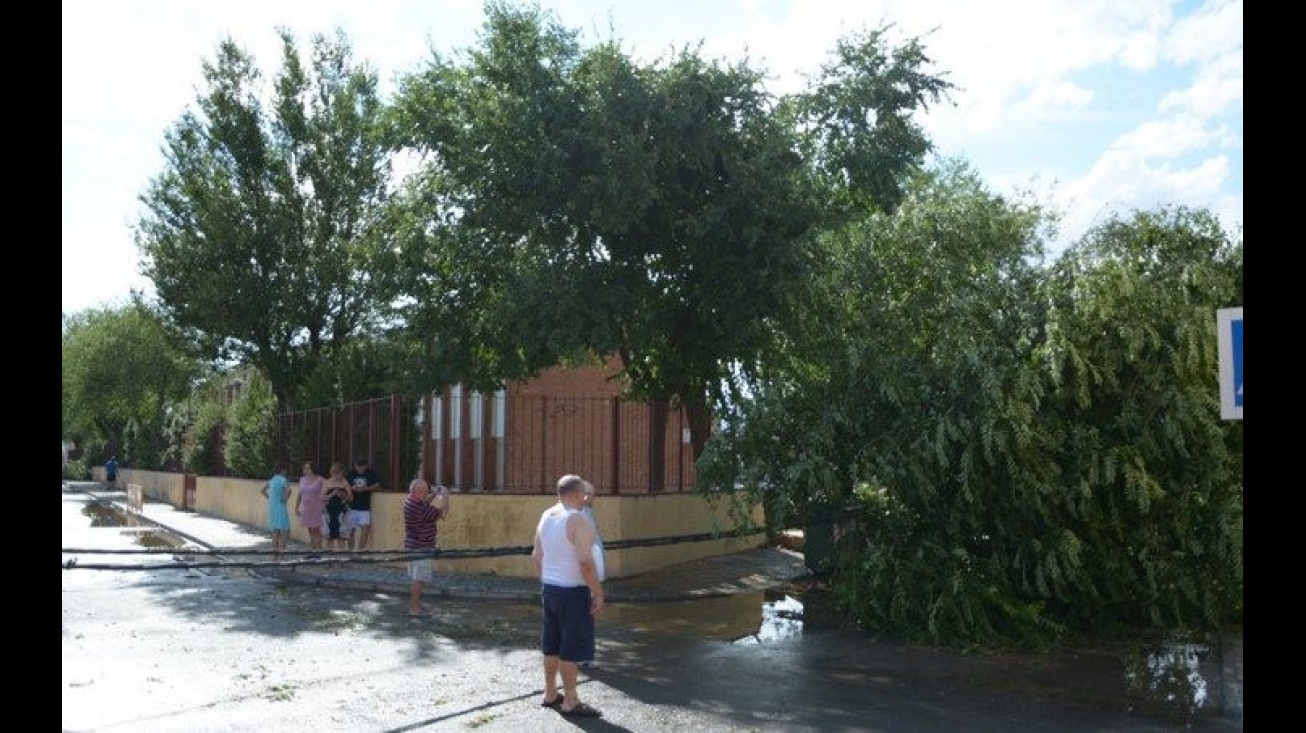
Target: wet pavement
point(756, 601)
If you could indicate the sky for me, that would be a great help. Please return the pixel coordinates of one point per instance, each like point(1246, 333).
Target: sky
point(1093, 107)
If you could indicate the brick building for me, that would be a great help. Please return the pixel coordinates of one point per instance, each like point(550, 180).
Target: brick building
point(567, 420)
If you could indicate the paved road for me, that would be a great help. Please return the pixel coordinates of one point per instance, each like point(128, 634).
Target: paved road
point(225, 649)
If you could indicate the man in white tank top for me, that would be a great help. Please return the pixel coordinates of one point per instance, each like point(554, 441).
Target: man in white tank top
point(571, 596)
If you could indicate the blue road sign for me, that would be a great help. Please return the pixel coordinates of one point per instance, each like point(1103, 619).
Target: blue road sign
point(1229, 329)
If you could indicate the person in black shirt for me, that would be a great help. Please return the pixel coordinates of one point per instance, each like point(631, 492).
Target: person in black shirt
point(338, 495)
point(363, 480)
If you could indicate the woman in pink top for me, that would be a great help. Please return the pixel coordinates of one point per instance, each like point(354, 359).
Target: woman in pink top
point(309, 505)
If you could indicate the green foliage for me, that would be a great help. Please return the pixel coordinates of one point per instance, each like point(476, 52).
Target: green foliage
point(865, 383)
point(576, 203)
point(123, 369)
point(174, 452)
point(370, 366)
point(260, 235)
point(911, 582)
point(202, 452)
point(1152, 476)
point(249, 447)
point(934, 392)
point(77, 469)
point(1038, 449)
point(857, 119)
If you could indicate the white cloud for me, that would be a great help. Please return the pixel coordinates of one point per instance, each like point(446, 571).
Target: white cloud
point(1186, 151)
point(1141, 171)
point(1052, 99)
point(1159, 139)
point(1216, 89)
point(1215, 30)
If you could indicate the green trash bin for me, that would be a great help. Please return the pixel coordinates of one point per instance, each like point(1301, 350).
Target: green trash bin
point(828, 525)
point(818, 537)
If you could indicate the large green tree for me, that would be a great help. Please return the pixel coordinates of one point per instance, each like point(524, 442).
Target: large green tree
point(578, 203)
point(260, 235)
point(123, 372)
point(1034, 450)
point(904, 380)
point(1151, 476)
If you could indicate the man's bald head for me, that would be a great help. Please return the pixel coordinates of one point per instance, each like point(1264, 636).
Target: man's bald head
point(572, 484)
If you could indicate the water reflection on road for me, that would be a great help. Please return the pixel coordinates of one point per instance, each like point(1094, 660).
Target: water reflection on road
point(742, 618)
point(723, 617)
point(782, 619)
point(1167, 679)
point(105, 514)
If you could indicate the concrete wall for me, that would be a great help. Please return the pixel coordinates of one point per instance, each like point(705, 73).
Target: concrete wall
point(482, 521)
point(156, 485)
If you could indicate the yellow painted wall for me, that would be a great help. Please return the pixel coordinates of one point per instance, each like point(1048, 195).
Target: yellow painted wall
point(483, 521)
point(239, 500)
point(156, 485)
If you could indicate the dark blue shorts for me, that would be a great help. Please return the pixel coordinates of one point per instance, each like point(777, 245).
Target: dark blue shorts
point(567, 631)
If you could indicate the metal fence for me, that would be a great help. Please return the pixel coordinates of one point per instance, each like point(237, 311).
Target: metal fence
point(380, 430)
point(499, 442)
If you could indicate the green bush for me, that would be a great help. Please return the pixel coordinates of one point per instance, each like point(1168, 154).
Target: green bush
point(249, 448)
point(77, 470)
point(203, 453)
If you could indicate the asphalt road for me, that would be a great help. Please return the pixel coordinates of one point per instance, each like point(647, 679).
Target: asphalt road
point(224, 650)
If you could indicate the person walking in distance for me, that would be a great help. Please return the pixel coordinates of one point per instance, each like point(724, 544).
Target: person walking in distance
point(423, 510)
point(111, 472)
point(571, 595)
point(310, 505)
point(277, 491)
point(337, 493)
point(363, 480)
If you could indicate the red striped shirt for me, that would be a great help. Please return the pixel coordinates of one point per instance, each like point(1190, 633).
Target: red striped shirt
point(420, 519)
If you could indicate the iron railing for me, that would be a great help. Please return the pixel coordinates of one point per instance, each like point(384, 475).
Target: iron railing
point(498, 442)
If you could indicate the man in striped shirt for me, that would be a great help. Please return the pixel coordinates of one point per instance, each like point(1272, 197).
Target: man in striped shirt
point(421, 513)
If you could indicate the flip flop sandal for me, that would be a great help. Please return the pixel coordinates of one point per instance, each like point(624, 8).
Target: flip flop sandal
point(581, 711)
point(555, 703)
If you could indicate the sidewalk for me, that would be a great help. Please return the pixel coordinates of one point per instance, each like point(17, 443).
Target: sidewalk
point(741, 572)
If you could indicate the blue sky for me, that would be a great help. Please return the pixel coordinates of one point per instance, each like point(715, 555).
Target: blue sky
point(1091, 106)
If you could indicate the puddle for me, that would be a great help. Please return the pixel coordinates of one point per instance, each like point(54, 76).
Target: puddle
point(722, 618)
point(141, 532)
point(782, 619)
point(1170, 679)
point(151, 538)
point(107, 515)
point(741, 618)
point(1178, 681)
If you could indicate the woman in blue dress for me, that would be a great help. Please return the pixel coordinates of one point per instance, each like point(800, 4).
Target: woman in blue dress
point(277, 491)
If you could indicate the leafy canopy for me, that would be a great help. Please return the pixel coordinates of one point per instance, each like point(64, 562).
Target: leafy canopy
point(260, 235)
point(575, 203)
point(123, 369)
point(1031, 450)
